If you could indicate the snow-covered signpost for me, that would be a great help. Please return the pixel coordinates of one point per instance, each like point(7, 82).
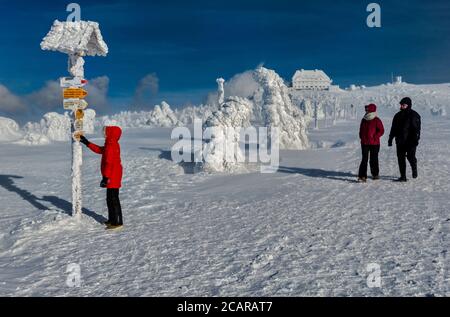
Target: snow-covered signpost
point(77, 39)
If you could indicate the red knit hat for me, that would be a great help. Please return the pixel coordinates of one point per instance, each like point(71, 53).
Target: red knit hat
point(371, 108)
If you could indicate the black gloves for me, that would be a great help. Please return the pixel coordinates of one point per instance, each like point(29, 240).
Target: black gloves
point(84, 140)
point(390, 143)
point(104, 182)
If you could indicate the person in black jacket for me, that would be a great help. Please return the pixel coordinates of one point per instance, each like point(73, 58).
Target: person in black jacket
point(405, 129)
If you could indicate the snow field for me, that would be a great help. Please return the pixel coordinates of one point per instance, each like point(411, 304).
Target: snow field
point(309, 229)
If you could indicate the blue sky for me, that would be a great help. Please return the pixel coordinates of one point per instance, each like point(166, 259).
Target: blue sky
point(188, 44)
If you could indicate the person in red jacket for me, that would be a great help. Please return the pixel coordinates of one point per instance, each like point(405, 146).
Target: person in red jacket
point(370, 132)
point(111, 169)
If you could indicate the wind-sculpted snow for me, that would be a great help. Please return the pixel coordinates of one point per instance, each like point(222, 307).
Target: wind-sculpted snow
point(54, 127)
point(75, 66)
point(278, 111)
point(222, 150)
point(9, 130)
point(89, 121)
point(163, 116)
point(82, 37)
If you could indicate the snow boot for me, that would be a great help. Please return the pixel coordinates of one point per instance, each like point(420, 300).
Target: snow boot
point(113, 227)
point(401, 180)
point(375, 178)
point(362, 180)
point(414, 174)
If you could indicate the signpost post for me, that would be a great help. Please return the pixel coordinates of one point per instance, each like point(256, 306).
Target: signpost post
point(74, 95)
point(77, 39)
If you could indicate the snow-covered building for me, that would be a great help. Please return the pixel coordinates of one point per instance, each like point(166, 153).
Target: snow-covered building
point(311, 80)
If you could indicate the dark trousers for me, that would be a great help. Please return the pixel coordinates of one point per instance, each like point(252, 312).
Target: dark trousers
point(407, 152)
point(114, 208)
point(372, 152)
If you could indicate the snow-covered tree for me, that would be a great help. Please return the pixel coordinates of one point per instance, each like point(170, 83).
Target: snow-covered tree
point(222, 150)
point(189, 114)
point(163, 116)
point(9, 130)
point(89, 121)
point(258, 102)
point(278, 110)
point(52, 127)
point(56, 126)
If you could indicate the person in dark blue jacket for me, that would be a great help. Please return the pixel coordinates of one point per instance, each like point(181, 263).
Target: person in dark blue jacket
point(406, 129)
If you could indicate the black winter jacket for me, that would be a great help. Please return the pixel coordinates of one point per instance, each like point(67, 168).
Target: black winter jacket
point(406, 128)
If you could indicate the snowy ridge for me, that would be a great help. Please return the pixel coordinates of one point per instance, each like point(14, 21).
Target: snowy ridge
point(273, 105)
point(428, 99)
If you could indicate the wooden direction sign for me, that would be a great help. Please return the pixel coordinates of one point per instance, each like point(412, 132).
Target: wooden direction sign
point(67, 82)
point(74, 93)
point(73, 104)
point(78, 125)
point(79, 114)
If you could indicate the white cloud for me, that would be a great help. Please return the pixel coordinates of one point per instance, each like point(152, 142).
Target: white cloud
point(98, 94)
point(10, 103)
point(46, 99)
point(49, 98)
point(147, 88)
point(241, 85)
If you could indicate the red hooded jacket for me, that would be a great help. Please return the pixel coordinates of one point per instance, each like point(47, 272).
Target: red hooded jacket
point(371, 131)
point(111, 163)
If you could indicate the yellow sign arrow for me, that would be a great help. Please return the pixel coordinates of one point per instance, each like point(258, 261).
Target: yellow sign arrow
point(79, 114)
point(74, 93)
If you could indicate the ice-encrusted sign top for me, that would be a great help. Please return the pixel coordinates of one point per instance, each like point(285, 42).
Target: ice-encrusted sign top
point(83, 37)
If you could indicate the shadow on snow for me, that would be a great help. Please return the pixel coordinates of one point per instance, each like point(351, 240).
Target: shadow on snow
point(319, 173)
point(7, 182)
point(188, 167)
